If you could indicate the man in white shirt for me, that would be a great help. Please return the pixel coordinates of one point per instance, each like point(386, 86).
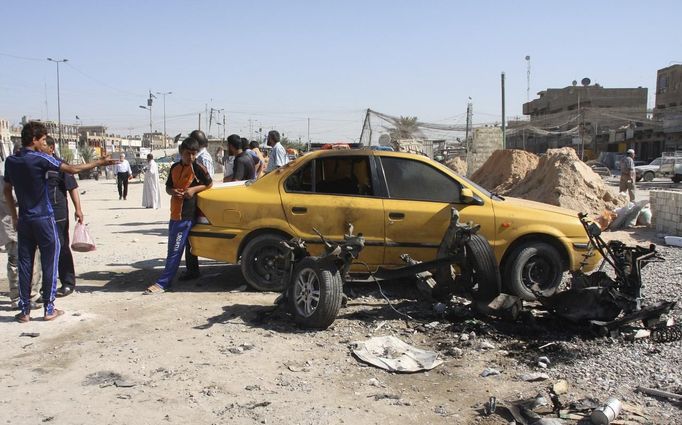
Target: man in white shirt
point(278, 155)
point(123, 173)
point(203, 157)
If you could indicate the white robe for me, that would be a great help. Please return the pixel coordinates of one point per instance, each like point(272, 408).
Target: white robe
point(151, 195)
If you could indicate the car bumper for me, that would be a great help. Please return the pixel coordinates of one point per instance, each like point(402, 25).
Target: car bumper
point(218, 243)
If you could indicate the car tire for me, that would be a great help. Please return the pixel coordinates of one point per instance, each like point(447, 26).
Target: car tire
point(637, 179)
point(648, 176)
point(259, 265)
point(483, 282)
point(676, 178)
point(315, 294)
point(533, 263)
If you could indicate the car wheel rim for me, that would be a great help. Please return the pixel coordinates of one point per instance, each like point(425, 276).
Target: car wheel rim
point(265, 264)
point(306, 292)
point(538, 272)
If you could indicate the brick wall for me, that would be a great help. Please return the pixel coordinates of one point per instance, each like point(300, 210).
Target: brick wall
point(666, 208)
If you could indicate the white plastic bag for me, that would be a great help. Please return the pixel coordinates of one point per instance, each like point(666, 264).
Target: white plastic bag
point(82, 241)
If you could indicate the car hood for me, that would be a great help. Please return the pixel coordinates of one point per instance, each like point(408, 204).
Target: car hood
point(647, 167)
point(525, 203)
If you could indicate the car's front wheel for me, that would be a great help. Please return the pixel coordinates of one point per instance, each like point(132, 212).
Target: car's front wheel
point(259, 262)
point(534, 265)
point(648, 176)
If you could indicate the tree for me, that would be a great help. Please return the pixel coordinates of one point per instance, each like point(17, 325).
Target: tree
point(405, 128)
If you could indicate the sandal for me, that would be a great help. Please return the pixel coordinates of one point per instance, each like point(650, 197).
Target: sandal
point(154, 290)
point(22, 318)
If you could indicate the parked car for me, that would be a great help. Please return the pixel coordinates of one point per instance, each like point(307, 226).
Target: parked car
point(400, 202)
point(648, 172)
point(671, 166)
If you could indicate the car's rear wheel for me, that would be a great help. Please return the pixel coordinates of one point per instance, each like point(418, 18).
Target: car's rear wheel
point(534, 265)
point(259, 262)
point(315, 294)
point(648, 176)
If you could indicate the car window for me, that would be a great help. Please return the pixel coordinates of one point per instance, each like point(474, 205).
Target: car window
point(656, 161)
point(410, 179)
point(335, 175)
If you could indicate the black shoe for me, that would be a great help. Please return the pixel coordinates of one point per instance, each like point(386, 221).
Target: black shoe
point(65, 290)
point(189, 276)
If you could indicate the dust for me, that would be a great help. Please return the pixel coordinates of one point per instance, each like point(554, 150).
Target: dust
point(505, 169)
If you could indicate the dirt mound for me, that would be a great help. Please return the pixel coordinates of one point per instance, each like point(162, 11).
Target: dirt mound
point(562, 179)
point(504, 169)
point(458, 165)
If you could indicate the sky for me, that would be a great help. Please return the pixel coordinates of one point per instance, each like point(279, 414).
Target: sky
point(276, 64)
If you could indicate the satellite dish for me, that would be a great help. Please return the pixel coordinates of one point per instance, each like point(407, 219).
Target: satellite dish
point(384, 140)
point(585, 81)
point(574, 83)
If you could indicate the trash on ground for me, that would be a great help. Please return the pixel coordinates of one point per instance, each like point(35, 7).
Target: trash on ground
point(607, 413)
point(489, 371)
point(392, 354)
point(30, 334)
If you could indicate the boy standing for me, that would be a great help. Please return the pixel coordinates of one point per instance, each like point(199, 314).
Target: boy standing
point(185, 179)
point(35, 224)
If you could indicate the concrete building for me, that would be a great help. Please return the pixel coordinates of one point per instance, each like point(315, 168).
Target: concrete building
point(153, 140)
point(669, 106)
point(582, 116)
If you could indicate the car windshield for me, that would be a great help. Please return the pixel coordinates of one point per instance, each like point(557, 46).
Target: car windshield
point(656, 161)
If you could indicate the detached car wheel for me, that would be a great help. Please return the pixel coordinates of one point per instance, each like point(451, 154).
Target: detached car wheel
point(259, 263)
point(480, 276)
point(534, 264)
point(315, 294)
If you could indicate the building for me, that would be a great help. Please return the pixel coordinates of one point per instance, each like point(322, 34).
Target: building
point(582, 116)
point(668, 107)
point(154, 140)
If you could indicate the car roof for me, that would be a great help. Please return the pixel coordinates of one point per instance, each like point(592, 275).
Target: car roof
point(365, 151)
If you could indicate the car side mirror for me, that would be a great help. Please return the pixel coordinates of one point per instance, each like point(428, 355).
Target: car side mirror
point(466, 195)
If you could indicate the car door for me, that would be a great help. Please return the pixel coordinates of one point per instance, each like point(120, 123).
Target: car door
point(418, 206)
point(327, 193)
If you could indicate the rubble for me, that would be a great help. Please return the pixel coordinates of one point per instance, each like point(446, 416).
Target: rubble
point(559, 176)
point(505, 169)
point(458, 165)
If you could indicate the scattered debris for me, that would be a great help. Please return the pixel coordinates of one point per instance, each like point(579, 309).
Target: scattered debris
point(385, 396)
point(534, 377)
point(605, 414)
point(30, 334)
point(490, 406)
point(659, 393)
point(489, 372)
point(392, 354)
point(560, 387)
point(240, 288)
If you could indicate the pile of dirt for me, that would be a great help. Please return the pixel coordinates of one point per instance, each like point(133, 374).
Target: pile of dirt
point(504, 169)
point(458, 165)
point(562, 179)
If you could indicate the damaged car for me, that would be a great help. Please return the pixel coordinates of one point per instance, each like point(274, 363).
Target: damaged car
point(401, 204)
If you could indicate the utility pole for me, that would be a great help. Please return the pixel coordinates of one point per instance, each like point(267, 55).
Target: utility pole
point(59, 106)
point(224, 127)
point(528, 79)
point(504, 130)
point(165, 139)
point(308, 133)
point(467, 143)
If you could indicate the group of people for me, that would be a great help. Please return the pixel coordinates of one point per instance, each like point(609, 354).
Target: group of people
point(193, 174)
point(40, 181)
point(34, 225)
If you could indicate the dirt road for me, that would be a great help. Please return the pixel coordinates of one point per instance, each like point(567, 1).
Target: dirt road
point(203, 354)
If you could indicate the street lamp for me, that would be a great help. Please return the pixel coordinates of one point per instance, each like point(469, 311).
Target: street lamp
point(59, 107)
point(164, 116)
point(150, 123)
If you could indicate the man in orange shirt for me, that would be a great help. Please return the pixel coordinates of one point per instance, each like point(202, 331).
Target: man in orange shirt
point(185, 179)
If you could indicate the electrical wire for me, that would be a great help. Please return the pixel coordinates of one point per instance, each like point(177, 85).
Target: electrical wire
point(381, 291)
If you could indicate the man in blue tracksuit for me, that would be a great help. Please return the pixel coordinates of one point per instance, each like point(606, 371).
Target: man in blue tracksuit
point(26, 173)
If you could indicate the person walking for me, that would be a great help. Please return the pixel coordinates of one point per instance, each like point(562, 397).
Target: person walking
point(8, 239)
point(123, 173)
point(278, 155)
point(185, 179)
point(35, 224)
point(151, 194)
point(58, 184)
point(627, 174)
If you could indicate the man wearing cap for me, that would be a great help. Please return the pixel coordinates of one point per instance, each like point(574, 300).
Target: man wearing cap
point(627, 174)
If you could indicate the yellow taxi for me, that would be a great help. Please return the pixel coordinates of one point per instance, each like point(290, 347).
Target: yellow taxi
point(400, 203)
